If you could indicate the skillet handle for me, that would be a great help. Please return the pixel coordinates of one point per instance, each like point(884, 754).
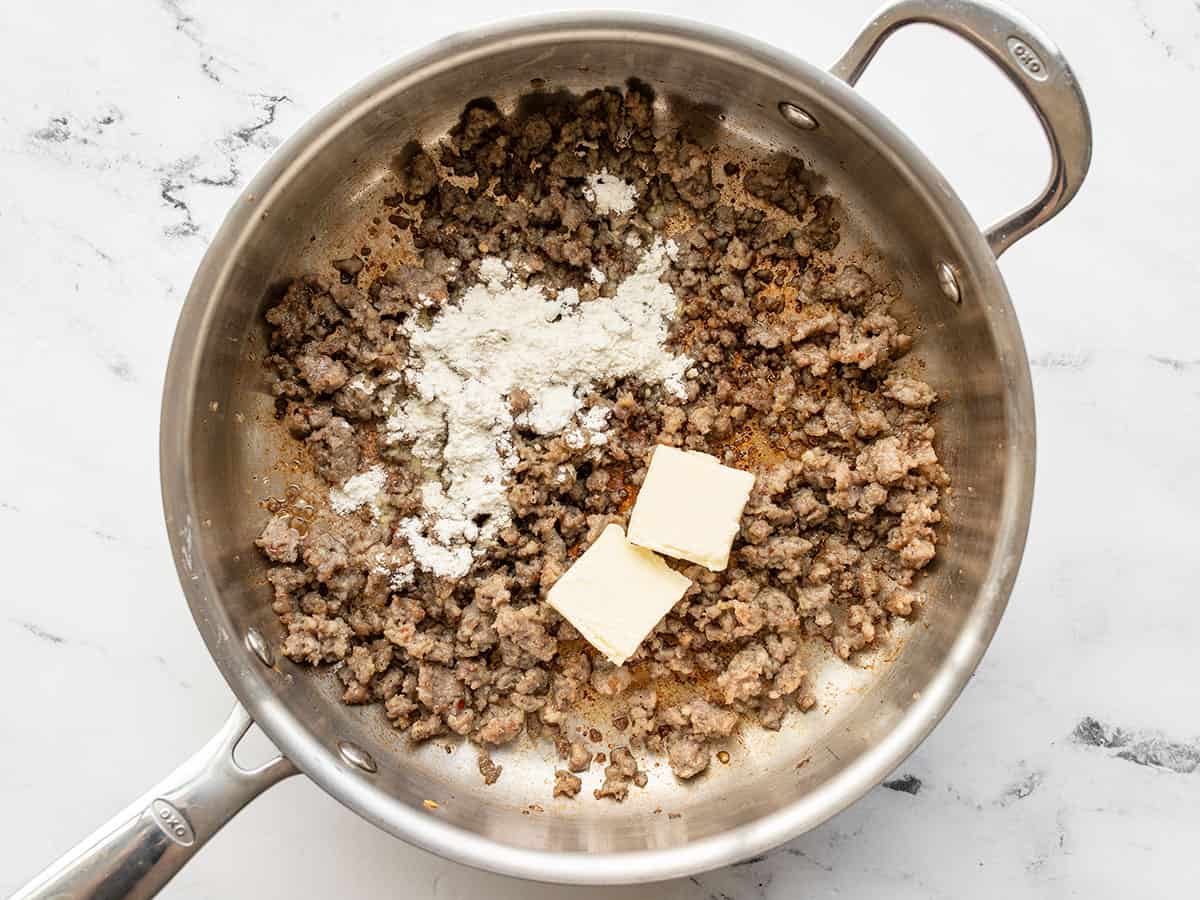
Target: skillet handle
point(141, 848)
point(1031, 61)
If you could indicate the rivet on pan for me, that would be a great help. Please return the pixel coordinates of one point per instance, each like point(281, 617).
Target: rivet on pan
point(801, 118)
point(357, 756)
point(259, 647)
point(948, 279)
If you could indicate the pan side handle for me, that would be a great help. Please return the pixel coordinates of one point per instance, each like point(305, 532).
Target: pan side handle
point(141, 848)
point(1031, 61)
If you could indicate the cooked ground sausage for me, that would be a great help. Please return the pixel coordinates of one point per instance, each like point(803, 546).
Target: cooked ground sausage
point(800, 376)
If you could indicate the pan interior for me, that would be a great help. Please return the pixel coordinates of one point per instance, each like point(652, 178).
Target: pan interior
point(315, 203)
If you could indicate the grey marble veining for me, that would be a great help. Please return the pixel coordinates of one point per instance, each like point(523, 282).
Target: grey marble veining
point(1071, 764)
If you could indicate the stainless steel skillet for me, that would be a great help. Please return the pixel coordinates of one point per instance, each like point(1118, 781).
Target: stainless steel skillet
point(217, 452)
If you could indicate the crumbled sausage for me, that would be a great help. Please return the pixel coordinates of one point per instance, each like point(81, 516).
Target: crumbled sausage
point(566, 784)
point(579, 757)
point(797, 376)
point(323, 374)
point(909, 392)
point(502, 726)
point(279, 540)
point(687, 755)
point(621, 771)
point(610, 680)
point(489, 769)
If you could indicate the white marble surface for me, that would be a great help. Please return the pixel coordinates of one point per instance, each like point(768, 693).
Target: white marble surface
point(126, 130)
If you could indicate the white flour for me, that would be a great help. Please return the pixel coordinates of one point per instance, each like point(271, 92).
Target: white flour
point(595, 420)
point(610, 193)
point(496, 338)
point(359, 490)
point(553, 410)
point(402, 577)
point(493, 269)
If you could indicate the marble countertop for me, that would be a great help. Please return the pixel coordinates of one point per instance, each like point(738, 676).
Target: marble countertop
point(127, 130)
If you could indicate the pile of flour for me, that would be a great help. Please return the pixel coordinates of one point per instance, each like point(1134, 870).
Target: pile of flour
point(503, 335)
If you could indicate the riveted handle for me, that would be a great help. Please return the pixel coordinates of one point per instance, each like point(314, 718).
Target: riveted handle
point(1031, 61)
point(141, 848)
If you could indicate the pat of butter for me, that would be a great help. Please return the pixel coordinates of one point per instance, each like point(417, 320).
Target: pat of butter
point(616, 593)
point(690, 507)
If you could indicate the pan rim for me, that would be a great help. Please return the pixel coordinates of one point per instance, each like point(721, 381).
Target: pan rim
point(320, 762)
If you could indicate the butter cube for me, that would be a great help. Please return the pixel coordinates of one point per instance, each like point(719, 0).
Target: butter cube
point(690, 507)
point(616, 593)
